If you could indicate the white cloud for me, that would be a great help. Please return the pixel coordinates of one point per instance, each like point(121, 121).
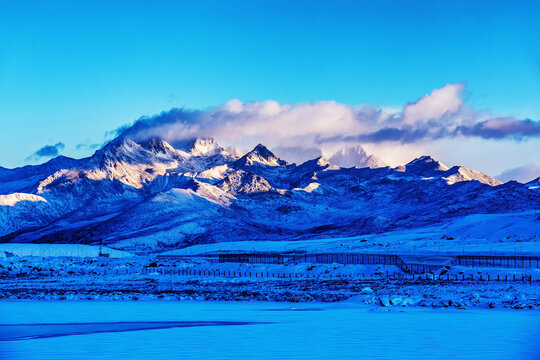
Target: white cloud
point(440, 102)
point(394, 134)
point(269, 119)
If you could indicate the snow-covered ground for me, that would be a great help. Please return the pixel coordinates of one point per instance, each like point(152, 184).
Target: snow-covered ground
point(258, 330)
point(507, 234)
point(55, 250)
point(62, 278)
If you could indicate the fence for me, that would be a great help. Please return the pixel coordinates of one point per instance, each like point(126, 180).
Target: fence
point(256, 258)
point(518, 262)
point(496, 261)
point(348, 259)
point(410, 266)
point(374, 276)
point(306, 275)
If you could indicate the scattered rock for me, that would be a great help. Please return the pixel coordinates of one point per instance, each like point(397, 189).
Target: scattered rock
point(385, 301)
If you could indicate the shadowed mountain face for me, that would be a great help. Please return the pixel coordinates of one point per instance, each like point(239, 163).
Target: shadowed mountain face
point(150, 195)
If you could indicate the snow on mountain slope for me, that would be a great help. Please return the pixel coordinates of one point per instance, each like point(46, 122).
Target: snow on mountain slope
point(424, 165)
point(309, 188)
point(213, 194)
point(260, 155)
point(460, 173)
point(243, 182)
point(430, 168)
point(203, 147)
point(132, 163)
point(147, 195)
point(13, 199)
point(356, 156)
point(318, 164)
point(24, 178)
point(203, 154)
point(19, 210)
point(139, 164)
point(217, 172)
point(178, 215)
point(465, 234)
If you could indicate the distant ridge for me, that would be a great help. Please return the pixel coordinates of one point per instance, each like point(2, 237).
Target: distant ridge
point(151, 195)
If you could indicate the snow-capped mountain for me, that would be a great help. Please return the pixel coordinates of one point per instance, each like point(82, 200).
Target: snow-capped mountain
point(356, 156)
point(149, 195)
point(461, 173)
point(261, 156)
point(424, 165)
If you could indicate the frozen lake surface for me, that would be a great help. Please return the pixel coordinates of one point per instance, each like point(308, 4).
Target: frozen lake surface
point(217, 330)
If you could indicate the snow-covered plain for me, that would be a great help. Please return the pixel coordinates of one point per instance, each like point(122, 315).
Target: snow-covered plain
point(193, 278)
point(58, 250)
point(272, 331)
point(517, 233)
point(143, 307)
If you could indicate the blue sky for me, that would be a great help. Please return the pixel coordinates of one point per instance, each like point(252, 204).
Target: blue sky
point(71, 71)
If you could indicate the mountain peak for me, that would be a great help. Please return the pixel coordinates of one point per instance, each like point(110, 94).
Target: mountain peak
point(260, 154)
point(423, 159)
point(263, 151)
point(356, 156)
point(134, 152)
point(426, 163)
point(61, 161)
point(201, 146)
point(461, 173)
point(131, 190)
point(157, 145)
point(322, 161)
point(317, 163)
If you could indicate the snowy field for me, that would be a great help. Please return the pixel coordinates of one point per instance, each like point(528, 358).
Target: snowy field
point(150, 278)
point(61, 250)
point(71, 272)
point(508, 234)
point(67, 302)
point(254, 330)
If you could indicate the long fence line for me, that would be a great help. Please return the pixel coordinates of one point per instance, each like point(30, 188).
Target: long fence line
point(509, 261)
point(306, 275)
point(412, 267)
point(390, 275)
point(412, 264)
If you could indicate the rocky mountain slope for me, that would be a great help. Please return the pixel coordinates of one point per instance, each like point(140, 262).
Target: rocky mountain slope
point(149, 196)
